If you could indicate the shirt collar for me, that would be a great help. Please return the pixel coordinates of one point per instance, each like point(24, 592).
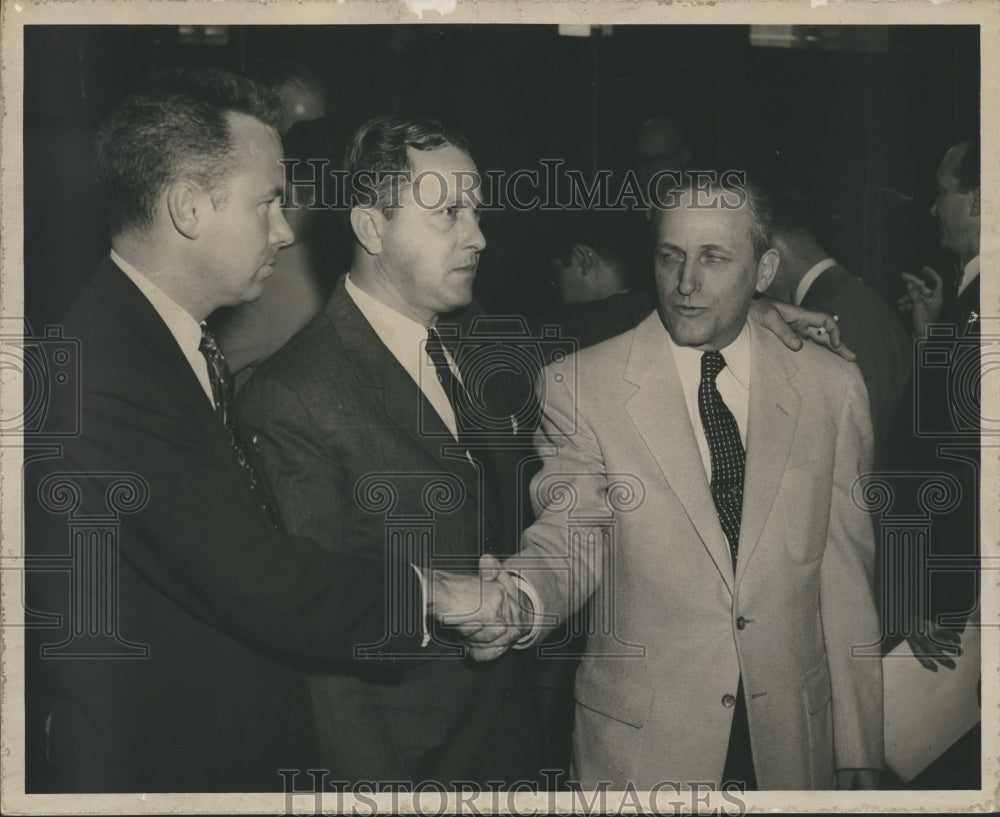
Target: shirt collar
point(736, 354)
point(810, 277)
point(969, 274)
point(403, 335)
point(179, 321)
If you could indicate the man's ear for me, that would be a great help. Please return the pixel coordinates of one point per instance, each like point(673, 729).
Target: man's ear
point(368, 223)
point(186, 203)
point(767, 267)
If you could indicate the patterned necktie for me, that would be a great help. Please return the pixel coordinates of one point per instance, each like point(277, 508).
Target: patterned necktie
point(726, 450)
point(453, 388)
point(222, 391)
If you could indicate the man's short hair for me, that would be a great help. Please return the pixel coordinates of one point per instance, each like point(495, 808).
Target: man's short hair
point(173, 126)
point(379, 148)
point(967, 171)
point(793, 212)
point(753, 195)
point(618, 236)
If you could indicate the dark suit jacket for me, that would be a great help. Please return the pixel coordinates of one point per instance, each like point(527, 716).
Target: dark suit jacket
point(871, 329)
point(937, 433)
point(590, 322)
point(352, 446)
point(191, 690)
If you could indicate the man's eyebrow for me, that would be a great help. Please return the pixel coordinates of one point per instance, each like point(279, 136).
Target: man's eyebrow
point(666, 245)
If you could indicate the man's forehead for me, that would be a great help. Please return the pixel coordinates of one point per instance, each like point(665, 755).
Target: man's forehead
point(443, 171)
point(692, 223)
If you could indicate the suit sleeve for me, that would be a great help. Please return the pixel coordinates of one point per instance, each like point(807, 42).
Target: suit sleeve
point(561, 555)
point(318, 494)
point(847, 605)
point(197, 538)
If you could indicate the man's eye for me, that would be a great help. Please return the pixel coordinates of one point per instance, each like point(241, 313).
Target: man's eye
point(714, 258)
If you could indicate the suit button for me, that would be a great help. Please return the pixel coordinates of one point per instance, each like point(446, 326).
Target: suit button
point(728, 701)
point(741, 623)
point(489, 545)
point(507, 694)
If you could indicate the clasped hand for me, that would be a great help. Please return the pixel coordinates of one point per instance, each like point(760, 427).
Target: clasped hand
point(488, 610)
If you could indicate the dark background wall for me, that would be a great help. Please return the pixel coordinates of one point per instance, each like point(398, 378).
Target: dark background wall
point(863, 125)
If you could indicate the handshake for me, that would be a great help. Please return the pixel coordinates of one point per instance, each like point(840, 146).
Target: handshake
point(489, 611)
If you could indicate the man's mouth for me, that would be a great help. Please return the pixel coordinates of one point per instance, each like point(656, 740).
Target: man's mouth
point(687, 310)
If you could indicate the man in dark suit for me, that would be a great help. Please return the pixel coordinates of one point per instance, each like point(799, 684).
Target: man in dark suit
point(594, 262)
point(167, 661)
point(807, 276)
point(373, 421)
point(957, 209)
point(939, 435)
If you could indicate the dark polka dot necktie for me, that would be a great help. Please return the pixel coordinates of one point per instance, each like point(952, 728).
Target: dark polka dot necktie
point(725, 448)
point(222, 391)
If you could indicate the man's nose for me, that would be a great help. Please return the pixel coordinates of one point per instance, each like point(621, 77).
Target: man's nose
point(688, 282)
point(474, 236)
point(281, 230)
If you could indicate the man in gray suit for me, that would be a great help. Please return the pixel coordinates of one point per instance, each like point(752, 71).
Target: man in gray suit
point(360, 425)
point(704, 495)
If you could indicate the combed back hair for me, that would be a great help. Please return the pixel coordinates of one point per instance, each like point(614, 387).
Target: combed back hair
point(618, 236)
point(967, 171)
point(738, 183)
point(172, 127)
point(793, 212)
point(379, 148)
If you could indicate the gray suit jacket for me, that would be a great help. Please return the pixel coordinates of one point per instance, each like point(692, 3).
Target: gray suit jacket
point(361, 462)
point(625, 512)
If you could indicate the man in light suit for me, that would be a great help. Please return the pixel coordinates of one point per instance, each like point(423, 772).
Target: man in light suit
point(726, 608)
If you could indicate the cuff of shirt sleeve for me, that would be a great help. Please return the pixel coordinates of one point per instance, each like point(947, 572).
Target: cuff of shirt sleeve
point(526, 587)
point(425, 630)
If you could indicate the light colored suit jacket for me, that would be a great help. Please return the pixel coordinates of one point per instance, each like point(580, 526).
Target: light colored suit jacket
point(625, 511)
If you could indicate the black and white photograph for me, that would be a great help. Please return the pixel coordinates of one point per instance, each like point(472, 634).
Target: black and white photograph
point(446, 407)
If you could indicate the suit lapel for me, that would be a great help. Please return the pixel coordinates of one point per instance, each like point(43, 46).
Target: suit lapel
point(148, 326)
point(392, 389)
point(773, 416)
point(659, 413)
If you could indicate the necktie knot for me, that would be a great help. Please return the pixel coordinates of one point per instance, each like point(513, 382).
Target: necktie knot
point(711, 364)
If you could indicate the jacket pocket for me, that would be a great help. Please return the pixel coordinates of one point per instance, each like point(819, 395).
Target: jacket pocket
point(614, 696)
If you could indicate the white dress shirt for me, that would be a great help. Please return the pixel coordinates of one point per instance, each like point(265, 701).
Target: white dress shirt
point(807, 280)
point(185, 329)
point(406, 339)
point(733, 383)
point(969, 274)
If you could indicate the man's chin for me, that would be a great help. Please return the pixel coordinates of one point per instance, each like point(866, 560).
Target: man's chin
point(683, 333)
